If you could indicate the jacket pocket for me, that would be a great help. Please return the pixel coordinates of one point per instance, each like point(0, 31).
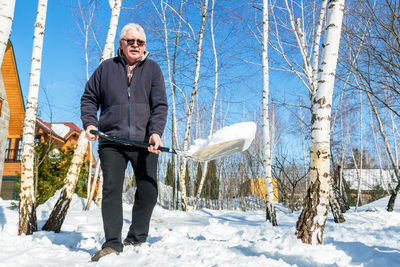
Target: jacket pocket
point(111, 121)
point(141, 116)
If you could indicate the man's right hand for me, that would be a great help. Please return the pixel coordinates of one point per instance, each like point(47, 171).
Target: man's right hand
point(89, 136)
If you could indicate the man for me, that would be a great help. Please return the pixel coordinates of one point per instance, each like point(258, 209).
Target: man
point(129, 89)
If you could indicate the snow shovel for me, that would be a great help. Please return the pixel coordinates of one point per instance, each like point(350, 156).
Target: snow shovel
point(224, 142)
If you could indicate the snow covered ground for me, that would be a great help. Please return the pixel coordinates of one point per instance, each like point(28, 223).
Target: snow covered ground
point(206, 238)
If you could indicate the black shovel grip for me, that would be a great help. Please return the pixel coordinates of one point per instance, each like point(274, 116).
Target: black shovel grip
point(128, 142)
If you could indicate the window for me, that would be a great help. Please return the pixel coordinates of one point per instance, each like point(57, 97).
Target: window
point(8, 148)
point(18, 149)
point(38, 138)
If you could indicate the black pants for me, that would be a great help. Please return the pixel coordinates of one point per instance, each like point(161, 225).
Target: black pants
point(114, 160)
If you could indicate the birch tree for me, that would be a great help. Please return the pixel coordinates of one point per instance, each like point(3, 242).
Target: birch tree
point(59, 211)
point(269, 188)
point(171, 79)
point(89, 177)
point(311, 223)
point(205, 169)
point(84, 17)
point(182, 167)
point(377, 68)
point(305, 31)
point(392, 199)
point(84, 24)
point(27, 209)
point(99, 195)
point(6, 18)
point(108, 51)
point(96, 178)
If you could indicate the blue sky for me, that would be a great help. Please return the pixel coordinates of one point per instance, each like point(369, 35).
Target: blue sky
point(63, 67)
point(62, 75)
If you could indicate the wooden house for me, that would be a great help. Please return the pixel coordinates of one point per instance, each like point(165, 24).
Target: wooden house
point(62, 134)
point(256, 187)
point(12, 163)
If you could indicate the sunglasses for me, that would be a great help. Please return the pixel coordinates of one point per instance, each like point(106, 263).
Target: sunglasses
point(132, 42)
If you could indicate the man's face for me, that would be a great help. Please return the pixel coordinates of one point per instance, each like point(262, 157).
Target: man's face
point(133, 46)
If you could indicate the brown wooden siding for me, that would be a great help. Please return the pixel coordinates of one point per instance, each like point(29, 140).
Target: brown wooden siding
point(13, 91)
point(13, 169)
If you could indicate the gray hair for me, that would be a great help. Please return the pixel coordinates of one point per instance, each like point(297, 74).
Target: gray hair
point(133, 27)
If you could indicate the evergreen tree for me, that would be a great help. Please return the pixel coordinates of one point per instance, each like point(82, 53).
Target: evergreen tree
point(52, 170)
point(211, 185)
point(169, 180)
point(212, 180)
point(187, 181)
point(198, 177)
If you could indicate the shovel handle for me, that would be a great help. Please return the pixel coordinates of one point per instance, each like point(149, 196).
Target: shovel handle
point(129, 142)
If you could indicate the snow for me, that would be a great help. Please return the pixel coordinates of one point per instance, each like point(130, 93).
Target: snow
point(205, 238)
point(242, 130)
point(60, 129)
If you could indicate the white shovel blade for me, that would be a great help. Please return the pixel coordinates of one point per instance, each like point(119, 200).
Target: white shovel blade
point(223, 149)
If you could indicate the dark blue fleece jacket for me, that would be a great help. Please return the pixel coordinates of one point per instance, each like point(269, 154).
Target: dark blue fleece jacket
point(132, 110)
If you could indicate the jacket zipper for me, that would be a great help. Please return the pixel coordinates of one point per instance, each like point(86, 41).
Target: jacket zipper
point(129, 110)
point(129, 102)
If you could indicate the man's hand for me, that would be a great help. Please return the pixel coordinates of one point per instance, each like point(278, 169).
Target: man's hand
point(155, 142)
point(89, 136)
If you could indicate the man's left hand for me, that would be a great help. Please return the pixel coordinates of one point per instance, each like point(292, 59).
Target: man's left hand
point(155, 142)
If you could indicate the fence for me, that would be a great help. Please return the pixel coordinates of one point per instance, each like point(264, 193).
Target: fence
point(165, 200)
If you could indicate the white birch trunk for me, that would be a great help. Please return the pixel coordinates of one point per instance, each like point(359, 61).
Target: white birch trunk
point(394, 128)
point(392, 199)
point(99, 195)
point(311, 223)
point(204, 173)
point(27, 213)
point(361, 158)
point(182, 168)
point(174, 119)
point(269, 188)
point(89, 178)
point(85, 29)
point(59, 211)
point(316, 44)
point(6, 18)
point(108, 51)
point(174, 122)
point(96, 179)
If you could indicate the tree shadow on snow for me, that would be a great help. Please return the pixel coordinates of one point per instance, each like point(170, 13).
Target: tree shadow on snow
point(232, 217)
point(3, 220)
point(368, 255)
point(289, 259)
point(360, 254)
point(70, 240)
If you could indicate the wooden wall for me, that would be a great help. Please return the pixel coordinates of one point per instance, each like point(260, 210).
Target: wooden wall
point(14, 95)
